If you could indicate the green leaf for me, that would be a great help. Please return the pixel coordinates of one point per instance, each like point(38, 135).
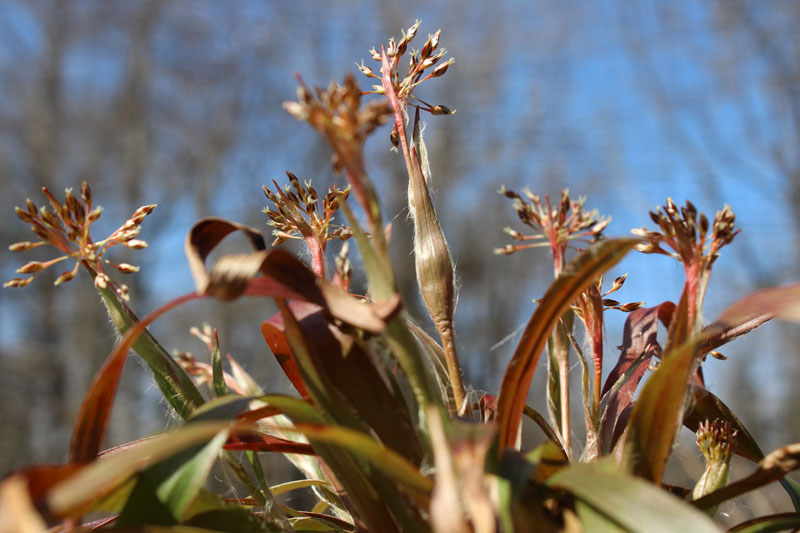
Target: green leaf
point(220, 388)
point(630, 502)
point(175, 384)
point(769, 524)
point(179, 489)
point(595, 521)
point(102, 476)
point(578, 275)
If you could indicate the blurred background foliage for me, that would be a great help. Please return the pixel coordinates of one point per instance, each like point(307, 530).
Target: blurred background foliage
point(179, 103)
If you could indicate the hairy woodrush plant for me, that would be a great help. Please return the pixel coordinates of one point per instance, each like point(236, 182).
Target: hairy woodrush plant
point(382, 430)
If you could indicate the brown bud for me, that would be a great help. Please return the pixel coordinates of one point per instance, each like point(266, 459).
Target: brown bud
point(17, 282)
point(86, 193)
point(297, 110)
point(441, 110)
point(69, 275)
point(95, 214)
point(136, 244)
point(22, 246)
point(31, 267)
point(23, 215)
point(126, 268)
point(441, 69)
point(365, 70)
point(412, 32)
point(632, 306)
point(618, 283)
point(508, 249)
point(101, 281)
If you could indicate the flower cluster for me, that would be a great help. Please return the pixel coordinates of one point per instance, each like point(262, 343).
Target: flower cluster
point(686, 232)
point(554, 226)
point(336, 113)
point(67, 228)
point(420, 62)
point(299, 215)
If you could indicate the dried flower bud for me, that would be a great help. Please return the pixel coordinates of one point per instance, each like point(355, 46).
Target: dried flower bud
point(101, 281)
point(618, 283)
point(717, 355)
point(632, 306)
point(365, 70)
point(126, 268)
point(32, 210)
point(136, 244)
point(71, 202)
point(23, 246)
point(86, 193)
point(600, 226)
point(122, 292)
point(25, 216)
point(69, 275)
point(375, 55)
point(441, 110)
point(297, 110)
point(402, 47)
point(31, 267)
point(17, 282)
point(394, 137)
point(508, 249)
point(441, 69)
point(391, 50)
point(412, 32)
point(95, 214)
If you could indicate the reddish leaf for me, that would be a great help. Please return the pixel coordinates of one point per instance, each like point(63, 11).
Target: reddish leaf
point(641, 329)
point(285, 277)
point(278, 343)
point(267, 443)
point(349, 368)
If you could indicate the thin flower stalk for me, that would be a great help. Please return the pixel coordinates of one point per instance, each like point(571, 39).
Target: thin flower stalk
point(433, 263)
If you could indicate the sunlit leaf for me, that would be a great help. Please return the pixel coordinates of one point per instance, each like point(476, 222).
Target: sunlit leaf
point(630, 502)
point(573, 280)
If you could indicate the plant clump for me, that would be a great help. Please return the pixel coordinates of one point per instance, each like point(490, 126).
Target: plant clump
point(380, 427)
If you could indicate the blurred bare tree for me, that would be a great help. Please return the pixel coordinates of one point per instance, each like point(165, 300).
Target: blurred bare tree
point(179, 103)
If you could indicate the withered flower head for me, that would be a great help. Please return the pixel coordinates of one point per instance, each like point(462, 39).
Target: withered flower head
point(423, 65)
point(299, 214)
point(554, 226)
point(67, 227)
